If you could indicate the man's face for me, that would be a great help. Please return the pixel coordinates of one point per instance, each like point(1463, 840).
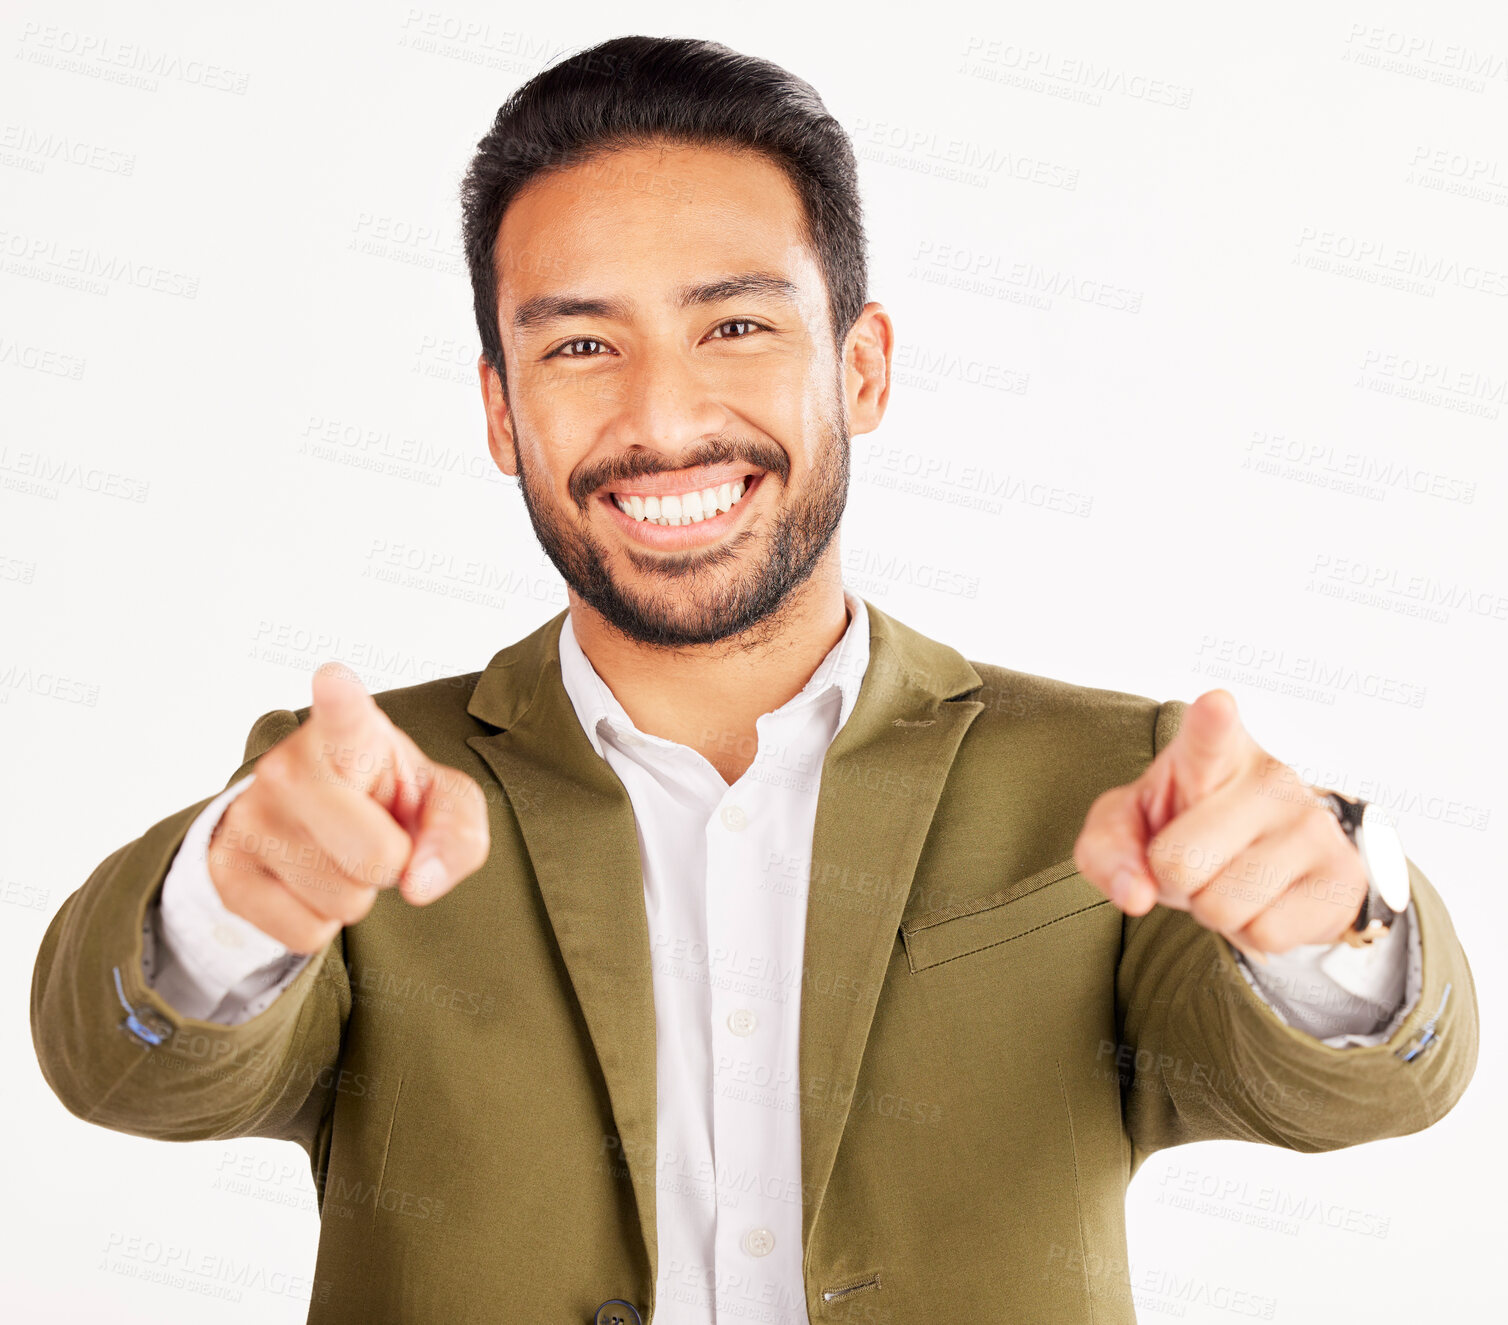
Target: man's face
point(676, 411)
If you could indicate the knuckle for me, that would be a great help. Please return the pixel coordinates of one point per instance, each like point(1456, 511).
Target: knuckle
point(241, 845)
point(301, 941)
point(300, 883)
point(1321, 827)
point(238, 879)
point(473, 843)
point(1339, 882)
point(1089, 857)
point(1169, 862)
point(228, 877)
point(1268, 768)
point(331, 900)
point(380, 875)
point(1104, 803)
point(1266, 932)
point(473, 795)
point(274, 770)
point(451, 789)
point(1210, 908)
point(310, 938)
point(386, 868)
point(235, 841)
point(358, 903)
point(348, 902)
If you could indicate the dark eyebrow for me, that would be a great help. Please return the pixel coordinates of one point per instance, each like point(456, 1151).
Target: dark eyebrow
point(749, 282)
point(544, 308)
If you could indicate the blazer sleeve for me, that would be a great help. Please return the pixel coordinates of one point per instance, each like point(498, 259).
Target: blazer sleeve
point(1202, 1057)
point(117, 1054)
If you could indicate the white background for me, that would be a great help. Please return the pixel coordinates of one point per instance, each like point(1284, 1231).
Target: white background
point(1268, 256)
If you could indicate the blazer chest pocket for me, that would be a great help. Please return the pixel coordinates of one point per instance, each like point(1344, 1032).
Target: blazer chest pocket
point(1029, 904)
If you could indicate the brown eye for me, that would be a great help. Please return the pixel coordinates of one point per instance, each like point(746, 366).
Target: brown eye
point(580, 340)
point(738, 322)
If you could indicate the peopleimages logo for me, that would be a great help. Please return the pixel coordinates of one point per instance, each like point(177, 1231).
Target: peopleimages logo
point(1079, 80)
point(93, 270)
point(99, 55)
point(1368, 254)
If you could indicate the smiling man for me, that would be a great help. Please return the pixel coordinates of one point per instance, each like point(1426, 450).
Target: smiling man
point(663, 376)
point(726, 949)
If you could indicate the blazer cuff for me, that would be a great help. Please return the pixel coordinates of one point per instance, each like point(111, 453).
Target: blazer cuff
point(1343, 996)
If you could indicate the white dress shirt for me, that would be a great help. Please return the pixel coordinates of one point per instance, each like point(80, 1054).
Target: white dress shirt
point(725, 888)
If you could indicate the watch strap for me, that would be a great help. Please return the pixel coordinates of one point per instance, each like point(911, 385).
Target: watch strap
point(1347, 811)
point(1375, 917)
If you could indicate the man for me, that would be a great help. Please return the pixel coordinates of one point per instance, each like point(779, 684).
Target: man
point(726, 949)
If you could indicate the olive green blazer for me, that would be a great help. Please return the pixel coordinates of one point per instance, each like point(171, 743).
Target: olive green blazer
point(989, 1049)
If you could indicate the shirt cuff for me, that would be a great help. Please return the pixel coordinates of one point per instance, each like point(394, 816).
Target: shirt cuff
point(217, 946)
point(205, 960)
point(1343, 996)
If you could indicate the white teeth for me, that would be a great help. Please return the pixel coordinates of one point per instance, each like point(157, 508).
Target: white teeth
point(676, 509)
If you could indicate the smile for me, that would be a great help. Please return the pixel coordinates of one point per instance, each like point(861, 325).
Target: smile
point(683, 509)
point(678, 508)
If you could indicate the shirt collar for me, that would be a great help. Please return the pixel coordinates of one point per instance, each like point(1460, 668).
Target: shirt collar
point(842, 670)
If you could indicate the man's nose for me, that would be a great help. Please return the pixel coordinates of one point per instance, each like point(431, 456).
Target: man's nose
point(664, 403)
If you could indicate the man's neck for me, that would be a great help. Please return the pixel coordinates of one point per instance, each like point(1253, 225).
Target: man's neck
point(709, 696)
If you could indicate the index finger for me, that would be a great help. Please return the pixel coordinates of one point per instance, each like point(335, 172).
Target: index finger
point(353, 743)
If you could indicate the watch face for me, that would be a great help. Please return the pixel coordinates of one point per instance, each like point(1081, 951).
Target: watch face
point(1382, 855)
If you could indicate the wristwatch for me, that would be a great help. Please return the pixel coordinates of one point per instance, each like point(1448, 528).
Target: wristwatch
point(1387, 869)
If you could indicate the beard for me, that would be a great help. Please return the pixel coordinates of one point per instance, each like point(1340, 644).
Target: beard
point(706, 595)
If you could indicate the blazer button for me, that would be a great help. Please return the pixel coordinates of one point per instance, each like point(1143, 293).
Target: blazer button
point(616, 1312)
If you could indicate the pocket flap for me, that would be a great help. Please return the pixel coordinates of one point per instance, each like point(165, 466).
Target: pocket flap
point(1029, 903)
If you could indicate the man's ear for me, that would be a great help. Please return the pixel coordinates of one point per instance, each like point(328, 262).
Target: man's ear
point(499, 418)
point(866, 367)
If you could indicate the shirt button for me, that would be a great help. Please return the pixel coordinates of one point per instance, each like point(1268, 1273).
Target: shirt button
point(742, 1022)
point(616, 1312)
point(759, 1242)
point(733, 817)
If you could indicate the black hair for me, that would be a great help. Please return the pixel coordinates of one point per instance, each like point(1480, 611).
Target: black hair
point(635, 91)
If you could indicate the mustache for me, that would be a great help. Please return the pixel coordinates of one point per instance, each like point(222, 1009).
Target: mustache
point(714, 451)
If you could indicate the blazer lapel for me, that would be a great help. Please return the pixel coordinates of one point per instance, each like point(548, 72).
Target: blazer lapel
point(881, 781)
point(578, 826)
